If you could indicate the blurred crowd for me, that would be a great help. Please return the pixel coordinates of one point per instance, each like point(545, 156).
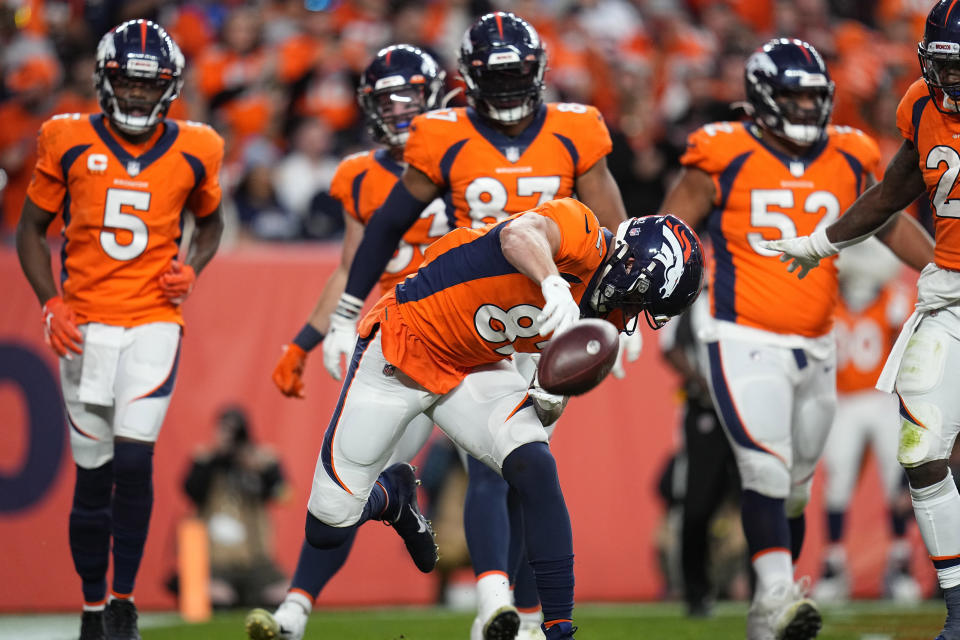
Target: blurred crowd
point(277, 79)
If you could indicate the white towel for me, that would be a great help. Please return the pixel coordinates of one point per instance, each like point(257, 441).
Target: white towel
point(101, 353)
point(937, 288)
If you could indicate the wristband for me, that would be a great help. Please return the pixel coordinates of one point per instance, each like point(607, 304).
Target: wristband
point(308, 338)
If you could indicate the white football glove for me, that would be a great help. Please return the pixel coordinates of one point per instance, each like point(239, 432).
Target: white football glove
point(803, 253)
point(630, 346)
point(341, 339)
point(548, 405)
point(560, 310)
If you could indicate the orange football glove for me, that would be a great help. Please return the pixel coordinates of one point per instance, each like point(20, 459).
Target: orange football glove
point(60, 328)
point(177, 282)
point(288, 374)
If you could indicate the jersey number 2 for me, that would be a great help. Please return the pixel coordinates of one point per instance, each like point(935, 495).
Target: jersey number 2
point(942, 206)
point(115, 218)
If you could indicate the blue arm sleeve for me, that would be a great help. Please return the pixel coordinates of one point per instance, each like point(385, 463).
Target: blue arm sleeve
point(380, 239)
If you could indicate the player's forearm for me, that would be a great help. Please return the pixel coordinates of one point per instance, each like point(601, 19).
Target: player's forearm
point(34, 255)
point(320, 316)
point(206, 239)
point(864, 218)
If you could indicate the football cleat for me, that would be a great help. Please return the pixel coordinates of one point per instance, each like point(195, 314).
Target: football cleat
point(501, 624)
point(92, 626)
point(288, 623)
point(417, 534)
point(784, 613)
point(120, 617)
point(560, 631)
point(835, 588)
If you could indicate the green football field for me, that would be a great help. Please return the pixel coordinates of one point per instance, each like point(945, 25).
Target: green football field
point(855, 621)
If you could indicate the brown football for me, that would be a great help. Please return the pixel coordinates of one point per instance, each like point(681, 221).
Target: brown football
point(578, 359)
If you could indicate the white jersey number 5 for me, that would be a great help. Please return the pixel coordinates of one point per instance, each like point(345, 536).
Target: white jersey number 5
point(763, 218)
point(115, 218)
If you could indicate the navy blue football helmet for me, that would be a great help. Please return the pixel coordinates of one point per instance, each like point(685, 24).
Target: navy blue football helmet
point(400, 83)
point(939, 54)
point(138, 52)
point(502, 61)
point(655, 267)
point(782, 69)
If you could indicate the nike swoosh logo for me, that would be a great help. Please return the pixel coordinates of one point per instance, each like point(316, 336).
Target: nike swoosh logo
point(420, 521)
point(586, 223)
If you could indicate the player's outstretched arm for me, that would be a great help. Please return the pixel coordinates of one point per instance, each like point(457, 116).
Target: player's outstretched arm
point(902, 184)
point(597, 189)
point(529, 243)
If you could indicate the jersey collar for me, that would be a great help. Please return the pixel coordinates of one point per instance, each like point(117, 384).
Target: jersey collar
point(135, 165)
point(796, 165)
point(385, 160)
point(509, 148)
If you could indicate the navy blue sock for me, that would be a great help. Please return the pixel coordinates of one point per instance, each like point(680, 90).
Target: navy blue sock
point(898, 524)
point(521, 574)
point(90, 529)
point(835, 525)
point(951, 628)
point(323, 536)
point(798, 529)
point(532, 471)
point(485, 520)
point(316, 566)
point(764, 522)
point(132, 503)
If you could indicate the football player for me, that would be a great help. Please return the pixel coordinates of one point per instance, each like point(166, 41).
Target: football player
point(401, 82)
point(440, 343)
point(772, 356)
point(121, 180)
point(504, 153)
point(920, 364)
point(872, 308)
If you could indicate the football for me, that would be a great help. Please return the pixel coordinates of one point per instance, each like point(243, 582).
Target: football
point(578, 359)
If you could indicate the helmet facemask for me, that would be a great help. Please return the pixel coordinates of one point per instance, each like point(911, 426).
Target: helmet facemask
point(506, 89)
point(392, 109)
point(940, 66)
point(135, 104)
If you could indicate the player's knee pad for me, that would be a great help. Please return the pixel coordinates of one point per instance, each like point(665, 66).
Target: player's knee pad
point(93, 488)
point(332, 505)
point(798, 498)
point(91, 438)
point(764, 473)
point(921, 426)
point(324, 536)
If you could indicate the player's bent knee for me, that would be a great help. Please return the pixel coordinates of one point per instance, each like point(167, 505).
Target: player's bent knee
point(529, 463)
point(334, 506)
point(764, 473)
point(920, 433)
point(927, 474)
point(324, 536)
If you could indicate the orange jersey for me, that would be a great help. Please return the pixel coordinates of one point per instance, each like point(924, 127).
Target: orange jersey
point(764, 195)
point(361, 184)
point(121, 206)
point(468, 306)
point(935, 134)
point(865, 337)
point(489, 175)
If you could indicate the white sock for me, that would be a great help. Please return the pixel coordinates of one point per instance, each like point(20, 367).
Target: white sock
point(94, 607)
point(937, 509)
point(531, 619)
point(772, 567)
point(299, 598)
point(836, 557)
point(493, 591)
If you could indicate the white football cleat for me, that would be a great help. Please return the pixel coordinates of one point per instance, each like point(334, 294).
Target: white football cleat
point(289, 622)
point(903, 588)
point(784, 612)
point(836, 588)
point(502, 623)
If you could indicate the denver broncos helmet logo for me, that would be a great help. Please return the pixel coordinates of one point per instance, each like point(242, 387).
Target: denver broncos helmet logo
point(673, 255)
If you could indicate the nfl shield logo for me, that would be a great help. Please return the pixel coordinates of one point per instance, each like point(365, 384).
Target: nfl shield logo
point(133, 168)
point(512, 153)
point(797, 169)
